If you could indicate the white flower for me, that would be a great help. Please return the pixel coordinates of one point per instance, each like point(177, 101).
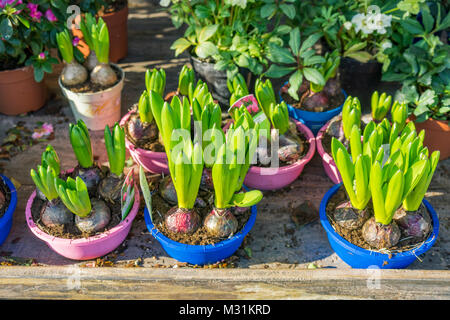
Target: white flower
point(386, 45)
point(164, 3)
point(360, 22)
point(348, 25)
point(240, 3)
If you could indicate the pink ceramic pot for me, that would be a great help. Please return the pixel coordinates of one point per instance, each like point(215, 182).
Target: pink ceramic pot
point(85, 248)
point(155, 162)
point(327, 160)
point(276, 178)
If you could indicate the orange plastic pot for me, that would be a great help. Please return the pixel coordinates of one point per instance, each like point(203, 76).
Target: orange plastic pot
point(437, 135)
point(19, 92)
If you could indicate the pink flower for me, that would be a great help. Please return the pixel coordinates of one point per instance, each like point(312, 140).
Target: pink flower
point(41, 56)
point(42, 132)
point(3, 3)
point(75, 41)
point(50, 16)
point(34, 12)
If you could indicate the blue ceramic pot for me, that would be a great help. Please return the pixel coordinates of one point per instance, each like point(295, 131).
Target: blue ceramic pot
point(314, 120)
point(201, 254)
point(361, 258)
point(6, 220)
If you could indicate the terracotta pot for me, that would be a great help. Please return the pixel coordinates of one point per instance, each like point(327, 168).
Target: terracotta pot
point(117, 23)
point(437, 135)
point(19, 92)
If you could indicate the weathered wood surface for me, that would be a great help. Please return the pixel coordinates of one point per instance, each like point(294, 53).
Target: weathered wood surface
point(280, 251)
point(142, 283)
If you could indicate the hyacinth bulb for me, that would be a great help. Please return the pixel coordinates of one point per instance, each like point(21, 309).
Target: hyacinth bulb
point(91, 61)
point(381, 236)
point(167, 190)
point(333, 87)
point(110, 187)
point(55, 214)
point(221, 223)
point(413, 224)
point(139, 130)
point(317, 102)
point(91, 178)
point(350, 218)
point(97, 220)
point(73, 74)
point(180, 220)
point(103, 75)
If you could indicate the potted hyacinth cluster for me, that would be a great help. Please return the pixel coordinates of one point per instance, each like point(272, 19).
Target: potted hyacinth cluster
point(200, 222)
point(141, 125)
point(285, 145)
point(341, 125)
point(27, 35)
point(8, 202)
point(382, 218)
point(88, 209)
point(93, 90)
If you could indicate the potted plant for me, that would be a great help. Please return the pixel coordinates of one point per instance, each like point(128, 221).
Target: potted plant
point(364, 32)
point(115, 15)
point(205, 226)
point(395, 227)
point(340, 126)
point(423, 70)
point(94, 96)
point(140, 123)
point(313, 92)
point(85, 212)
point(8, 202)
point(285, 145)
point(26, 37)
point(227, 37)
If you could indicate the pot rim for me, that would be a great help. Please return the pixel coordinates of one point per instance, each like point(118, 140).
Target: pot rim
point(120, 83)
point(12, 202)
point(301, 162)
point(323, 154)
point(132, 147)
point(125, 8)
point(92, 240)
point(158, 235)
point(24, 68)
point(426, 244)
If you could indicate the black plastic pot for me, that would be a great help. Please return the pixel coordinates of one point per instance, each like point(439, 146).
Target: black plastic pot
point(217, 80)
point(360, 79)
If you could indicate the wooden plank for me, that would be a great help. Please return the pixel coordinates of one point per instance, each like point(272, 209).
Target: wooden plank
point(144, 283)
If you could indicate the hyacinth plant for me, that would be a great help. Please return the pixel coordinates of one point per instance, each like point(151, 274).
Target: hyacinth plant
point(380, 105)
point(155, 80)
point(286, 134)
point(185, 81)
point(395, 178)
point(91, 215)
point(110, 188)
point(228, 173)
point(97, 36)
point(351, 115)
point(82, 147)
point(185, 164)
point(237, 87)
point(87, 24)
point(73, 72)
point(53, 213)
